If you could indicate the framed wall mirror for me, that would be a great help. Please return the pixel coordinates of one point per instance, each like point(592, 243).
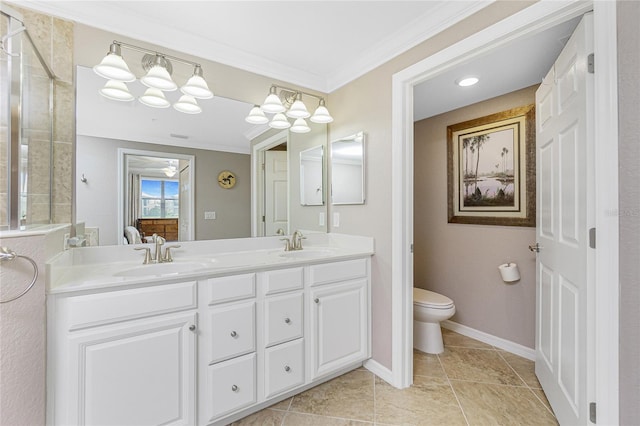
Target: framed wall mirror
point(312, 176)
point(347, 170)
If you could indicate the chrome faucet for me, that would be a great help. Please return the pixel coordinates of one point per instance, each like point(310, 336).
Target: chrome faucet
point(157, 256)
point(295, 243)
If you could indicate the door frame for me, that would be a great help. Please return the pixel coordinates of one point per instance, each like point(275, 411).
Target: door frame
point(535, 18)
point(123, 171)
point(257, 179)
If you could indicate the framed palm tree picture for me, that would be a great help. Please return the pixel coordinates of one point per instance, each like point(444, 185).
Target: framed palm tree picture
point(491, 169)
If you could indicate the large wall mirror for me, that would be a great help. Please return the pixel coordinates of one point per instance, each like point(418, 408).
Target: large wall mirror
point(121, 144)
point(347, 170)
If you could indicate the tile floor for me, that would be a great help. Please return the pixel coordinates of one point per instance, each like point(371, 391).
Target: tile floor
point(471, 383)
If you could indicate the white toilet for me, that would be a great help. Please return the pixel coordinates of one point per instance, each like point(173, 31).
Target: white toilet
point(429, 308)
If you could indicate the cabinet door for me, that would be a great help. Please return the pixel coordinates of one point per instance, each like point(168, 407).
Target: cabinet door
point(134, 373)
point(340, 326)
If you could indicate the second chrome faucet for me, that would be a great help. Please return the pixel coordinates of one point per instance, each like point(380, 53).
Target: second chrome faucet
point(157, 256)
point(295, 243)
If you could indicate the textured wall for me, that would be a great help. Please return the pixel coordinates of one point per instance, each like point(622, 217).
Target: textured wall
point(23, 332)
point(461, 261)
point(629, 178)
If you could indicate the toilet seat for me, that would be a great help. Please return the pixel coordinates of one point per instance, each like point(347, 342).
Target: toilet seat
point(430, 299)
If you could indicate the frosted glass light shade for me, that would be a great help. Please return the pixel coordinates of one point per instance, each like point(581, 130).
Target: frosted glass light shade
point(188, 105)
point(154, 98)
point(117, 91)
point(113, 67)
point(279, 121)
point(272, 104)
point(256, 116)
point(321, 115)
point(300, 126)
point(197, 87)
point(158, 78)
point(298, 110)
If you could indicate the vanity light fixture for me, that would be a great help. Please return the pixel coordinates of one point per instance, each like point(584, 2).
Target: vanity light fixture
point(467, 81)
point(158, 79)
point(288, 103)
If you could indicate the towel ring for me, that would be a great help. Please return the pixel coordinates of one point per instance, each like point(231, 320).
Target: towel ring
point(7, 254)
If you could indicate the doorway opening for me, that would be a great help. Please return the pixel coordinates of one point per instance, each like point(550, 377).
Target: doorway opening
point(530, 21)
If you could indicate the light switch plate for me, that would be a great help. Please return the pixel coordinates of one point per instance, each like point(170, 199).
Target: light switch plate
point(209, 215)
point(336, 220)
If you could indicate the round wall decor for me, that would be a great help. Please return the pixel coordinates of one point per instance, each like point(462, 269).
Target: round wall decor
point(226, 179)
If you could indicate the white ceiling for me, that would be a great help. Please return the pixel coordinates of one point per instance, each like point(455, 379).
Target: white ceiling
point(321, 45)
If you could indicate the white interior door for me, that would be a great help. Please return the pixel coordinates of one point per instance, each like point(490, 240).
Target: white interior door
point(276, 192)
point(564, 153)
point(184, 213)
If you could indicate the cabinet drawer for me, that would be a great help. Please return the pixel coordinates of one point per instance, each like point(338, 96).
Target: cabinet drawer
point(337, 271)
point(231, 385)
point(232, 331)
point(225, 289)
point(284, 367)
point(104, 308)
point(283, 318)
point(283, 280)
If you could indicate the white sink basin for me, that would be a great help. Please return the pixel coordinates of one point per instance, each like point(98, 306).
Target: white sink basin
point(311, 253)
point(162, 269)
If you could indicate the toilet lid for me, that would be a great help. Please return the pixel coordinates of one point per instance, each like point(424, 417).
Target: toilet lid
point(431, 299)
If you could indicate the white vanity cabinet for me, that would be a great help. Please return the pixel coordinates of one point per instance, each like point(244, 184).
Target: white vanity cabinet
point(120, 363)
point(340, 312)
point(206, 351)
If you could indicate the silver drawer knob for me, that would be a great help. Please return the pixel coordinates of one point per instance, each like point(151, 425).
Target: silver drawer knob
point(287, 368)
point(316, 300)
point(287, 320)
point(234, 388)
point(192, 327)
point(234, 334)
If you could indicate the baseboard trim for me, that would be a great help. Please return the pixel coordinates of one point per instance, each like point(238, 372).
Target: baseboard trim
point(379, 370)
point(498, 342)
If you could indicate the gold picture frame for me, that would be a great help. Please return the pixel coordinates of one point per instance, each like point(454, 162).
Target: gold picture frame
point(491, 169)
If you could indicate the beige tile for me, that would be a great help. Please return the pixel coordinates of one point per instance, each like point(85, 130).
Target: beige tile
point(61, 213)
point(62, 171)
point(424, 403)
point(451, 338)
point(39, 26)
point(478, 365)
point(349, 396)
point(542, 397)
point(282, 405)
point(63, 49)
point(265, 417)
point(489, 404)
point(299, 419)
point(63, 126)
point(427, 365)
point(524, 367)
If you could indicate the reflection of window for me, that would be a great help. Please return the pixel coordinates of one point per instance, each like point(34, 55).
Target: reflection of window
point(159, 198)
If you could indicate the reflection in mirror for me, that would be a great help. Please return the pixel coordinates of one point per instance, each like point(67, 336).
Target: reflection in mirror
point(218, 139)
point(311, 176)
point(347, 170)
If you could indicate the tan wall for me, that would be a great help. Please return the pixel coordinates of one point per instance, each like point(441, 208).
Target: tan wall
point(365, 104)
point(461, 261)
point(629, 154)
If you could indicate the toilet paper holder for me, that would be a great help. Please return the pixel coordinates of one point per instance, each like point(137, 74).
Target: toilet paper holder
point(509, 272)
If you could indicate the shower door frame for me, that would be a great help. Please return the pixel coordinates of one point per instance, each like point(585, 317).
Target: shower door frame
point(14, 75)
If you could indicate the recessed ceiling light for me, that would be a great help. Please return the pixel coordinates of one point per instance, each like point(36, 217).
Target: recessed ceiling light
point(467, 81)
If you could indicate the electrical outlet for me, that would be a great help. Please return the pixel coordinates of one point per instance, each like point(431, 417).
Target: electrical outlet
point(209, 215)
point(336, 220)
point(321, 219)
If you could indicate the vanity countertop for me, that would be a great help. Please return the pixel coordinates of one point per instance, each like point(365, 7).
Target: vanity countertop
point(90, 268)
